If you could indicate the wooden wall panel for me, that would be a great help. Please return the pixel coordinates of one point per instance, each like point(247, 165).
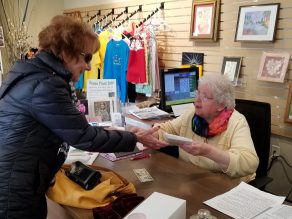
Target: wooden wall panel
point(174, 41)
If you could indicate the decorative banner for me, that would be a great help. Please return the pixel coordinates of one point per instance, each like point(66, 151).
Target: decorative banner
point(1, 37)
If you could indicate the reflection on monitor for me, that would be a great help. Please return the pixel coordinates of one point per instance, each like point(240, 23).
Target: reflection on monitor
point(178, 86)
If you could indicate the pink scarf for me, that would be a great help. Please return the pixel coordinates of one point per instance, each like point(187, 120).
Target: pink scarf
point(219, 124)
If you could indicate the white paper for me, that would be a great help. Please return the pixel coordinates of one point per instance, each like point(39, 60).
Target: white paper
point(244, 201)
point(181, 108)
point(278, 212)
point(101, 88)
point(133, 122)
point(83, 156)
point(176, 140)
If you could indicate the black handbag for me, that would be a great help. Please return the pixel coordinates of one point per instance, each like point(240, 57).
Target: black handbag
point(83, 175)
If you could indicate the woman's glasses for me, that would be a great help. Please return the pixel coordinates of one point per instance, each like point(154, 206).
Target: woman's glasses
point(87, 57)
point(202, 96)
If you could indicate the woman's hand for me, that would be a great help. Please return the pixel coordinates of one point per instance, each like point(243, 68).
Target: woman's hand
point(197, 148)
point(219, 156)
point(149, 137)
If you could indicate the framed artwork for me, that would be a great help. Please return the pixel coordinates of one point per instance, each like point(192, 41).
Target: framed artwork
point(257, 22)
point(273, 66)
point(288, 112)
point(1, 37)
point(192, 58)
point(205, 19)
point(102, 109)
point(231, 68)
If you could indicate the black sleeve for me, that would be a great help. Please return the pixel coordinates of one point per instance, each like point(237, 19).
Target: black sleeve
point(52, 106)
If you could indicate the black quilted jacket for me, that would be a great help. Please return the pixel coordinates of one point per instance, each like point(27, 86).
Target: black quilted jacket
point(36, 116)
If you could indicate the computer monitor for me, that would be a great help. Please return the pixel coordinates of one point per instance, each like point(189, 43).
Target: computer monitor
point(178, 86)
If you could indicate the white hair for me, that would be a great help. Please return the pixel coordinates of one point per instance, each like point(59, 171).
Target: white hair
point(221, 88)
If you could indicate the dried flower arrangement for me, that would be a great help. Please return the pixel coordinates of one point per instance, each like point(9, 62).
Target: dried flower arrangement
point(17, 41)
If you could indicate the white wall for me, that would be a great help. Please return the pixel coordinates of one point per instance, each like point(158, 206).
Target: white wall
point(39, 14)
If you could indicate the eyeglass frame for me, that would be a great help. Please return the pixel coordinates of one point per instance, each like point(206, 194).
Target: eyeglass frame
point(203, 97)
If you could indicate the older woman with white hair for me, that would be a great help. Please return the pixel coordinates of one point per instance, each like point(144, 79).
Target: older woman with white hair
point(221, 139)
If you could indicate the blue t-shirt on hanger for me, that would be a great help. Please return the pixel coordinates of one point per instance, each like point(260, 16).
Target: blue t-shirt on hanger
point(116, 65)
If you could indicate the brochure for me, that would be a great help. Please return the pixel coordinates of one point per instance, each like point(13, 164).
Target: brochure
point(139, 150)
point(149, 113)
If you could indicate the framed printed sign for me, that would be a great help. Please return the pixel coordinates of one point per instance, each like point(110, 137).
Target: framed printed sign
point(231, 68)
point(205, 18)
point(257, 22)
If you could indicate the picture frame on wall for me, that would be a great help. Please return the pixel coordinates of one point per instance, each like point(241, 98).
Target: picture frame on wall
point(231, 68)
point(1, 38)
point(273, 66)
point(257, 23)
point(192, 58)
point(288, 111)
point(205, 19)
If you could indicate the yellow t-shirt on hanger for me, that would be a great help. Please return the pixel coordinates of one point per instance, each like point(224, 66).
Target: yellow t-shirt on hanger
point(103, 39)
point(93, 73)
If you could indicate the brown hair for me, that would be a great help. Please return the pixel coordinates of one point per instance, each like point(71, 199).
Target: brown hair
point(64, 34)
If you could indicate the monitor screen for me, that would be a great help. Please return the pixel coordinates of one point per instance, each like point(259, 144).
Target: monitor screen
point(178, 86)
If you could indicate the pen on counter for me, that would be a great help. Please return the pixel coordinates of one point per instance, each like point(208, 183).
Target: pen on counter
point(142, 156)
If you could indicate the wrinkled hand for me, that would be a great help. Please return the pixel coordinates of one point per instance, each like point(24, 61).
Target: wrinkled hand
point(148, 137)
point(196, 148)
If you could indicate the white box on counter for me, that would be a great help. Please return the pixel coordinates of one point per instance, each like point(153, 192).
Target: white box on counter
point(159, 206)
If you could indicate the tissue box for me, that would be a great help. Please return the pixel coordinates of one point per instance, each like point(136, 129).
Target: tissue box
point(160, 206)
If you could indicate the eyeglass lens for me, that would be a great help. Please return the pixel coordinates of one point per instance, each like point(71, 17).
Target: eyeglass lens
point(87, 57)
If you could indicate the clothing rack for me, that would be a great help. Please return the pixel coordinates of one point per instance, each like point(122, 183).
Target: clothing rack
point(94, 16)
point(150, 15)
point(105, 16)
point(115, 18)
point(131, 15)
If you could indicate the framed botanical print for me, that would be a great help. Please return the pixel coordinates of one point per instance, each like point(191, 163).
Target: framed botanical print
point(257, 22)
point(288, 111)
point(205, 19)
point(273, 66)
point(231, 68)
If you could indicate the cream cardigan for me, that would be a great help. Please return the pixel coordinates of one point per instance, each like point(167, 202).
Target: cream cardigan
point(236, 140)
